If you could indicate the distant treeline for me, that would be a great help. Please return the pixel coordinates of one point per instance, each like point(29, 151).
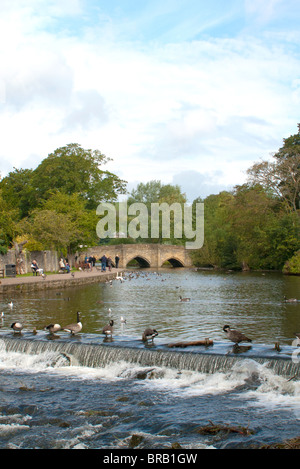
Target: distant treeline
point(255, 226)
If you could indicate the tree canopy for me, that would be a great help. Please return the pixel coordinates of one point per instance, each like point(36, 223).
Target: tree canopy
point(254, 226)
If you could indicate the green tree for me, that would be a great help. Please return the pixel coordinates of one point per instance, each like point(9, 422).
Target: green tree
point(62, 223)
point(19, 192)
point(71, 169)
point(154, 192)
point(219, 249)
point(282, 175)
point(84, 220)
point(8, 224)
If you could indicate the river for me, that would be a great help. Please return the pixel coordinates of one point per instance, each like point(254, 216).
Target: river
point(50, 402)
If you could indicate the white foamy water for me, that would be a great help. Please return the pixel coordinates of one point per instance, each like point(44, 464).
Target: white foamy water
point(270, 390)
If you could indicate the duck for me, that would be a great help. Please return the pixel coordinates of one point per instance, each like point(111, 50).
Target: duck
point(11, 305)
point(17, 327)
point(75, 327)
point(235, 336)
point(122, 320)
point(184, 299)
point(108, 330)
point(52, 328)
point(290, 300)
point(149, 334)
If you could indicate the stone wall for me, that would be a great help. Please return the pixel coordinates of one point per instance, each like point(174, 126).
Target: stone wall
point(47, 260)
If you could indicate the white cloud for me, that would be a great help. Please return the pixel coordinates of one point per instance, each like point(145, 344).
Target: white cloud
point(161, 110)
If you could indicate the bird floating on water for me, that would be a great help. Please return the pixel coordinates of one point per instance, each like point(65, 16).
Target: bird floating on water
point(122, 320)
point(235, 336)
point(184, 299)
point(11, 304)
point(290, 300)
point(149, 334)
point(108, 330)
point(17, 327)
point(74, 328)
point(119, 277)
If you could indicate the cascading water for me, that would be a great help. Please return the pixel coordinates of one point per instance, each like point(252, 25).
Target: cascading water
point(87, 351)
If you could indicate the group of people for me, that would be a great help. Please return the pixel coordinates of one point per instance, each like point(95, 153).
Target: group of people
point(90, 261)
point(106, 262)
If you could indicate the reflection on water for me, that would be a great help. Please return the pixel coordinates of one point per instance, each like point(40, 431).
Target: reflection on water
point(251, 302)
point(50, 402)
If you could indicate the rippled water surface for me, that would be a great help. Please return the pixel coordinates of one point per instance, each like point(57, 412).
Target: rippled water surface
point(46, 403)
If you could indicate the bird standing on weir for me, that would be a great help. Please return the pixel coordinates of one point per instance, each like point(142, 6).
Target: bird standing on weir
point(235, 336)
point(74, 328)
point(108, 330)
point(52, 328)
point(149, 334)
point(17, 327)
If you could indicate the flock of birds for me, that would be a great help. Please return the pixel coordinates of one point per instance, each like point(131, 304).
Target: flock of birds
point(149, 333)
point(76, 327)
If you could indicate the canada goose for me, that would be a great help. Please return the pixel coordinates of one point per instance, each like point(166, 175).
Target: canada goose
point(75, 327)
point(235, 336)
point(290, 300)
point(108, 330)
point(149, 334)
point(52, 328)
point(17, 327)
point(184, 299)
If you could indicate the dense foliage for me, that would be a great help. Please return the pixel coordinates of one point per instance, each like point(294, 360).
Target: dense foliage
point(255, 226)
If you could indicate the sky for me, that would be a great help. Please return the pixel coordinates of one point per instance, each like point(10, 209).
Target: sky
point(187, 92)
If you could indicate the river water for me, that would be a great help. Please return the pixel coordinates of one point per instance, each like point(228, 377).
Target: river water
point(49, 401)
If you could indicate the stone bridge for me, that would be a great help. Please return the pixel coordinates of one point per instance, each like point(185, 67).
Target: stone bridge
point(147, 255)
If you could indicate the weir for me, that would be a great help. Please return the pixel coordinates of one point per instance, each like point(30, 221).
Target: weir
point(91, 350)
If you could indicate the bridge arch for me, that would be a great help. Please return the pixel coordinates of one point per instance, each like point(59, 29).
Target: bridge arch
point(174, 262)
point(142, 261)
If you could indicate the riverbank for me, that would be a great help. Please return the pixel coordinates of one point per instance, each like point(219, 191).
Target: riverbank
point(54, 281)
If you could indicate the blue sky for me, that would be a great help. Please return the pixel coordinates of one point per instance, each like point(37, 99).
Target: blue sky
point(186, 92)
